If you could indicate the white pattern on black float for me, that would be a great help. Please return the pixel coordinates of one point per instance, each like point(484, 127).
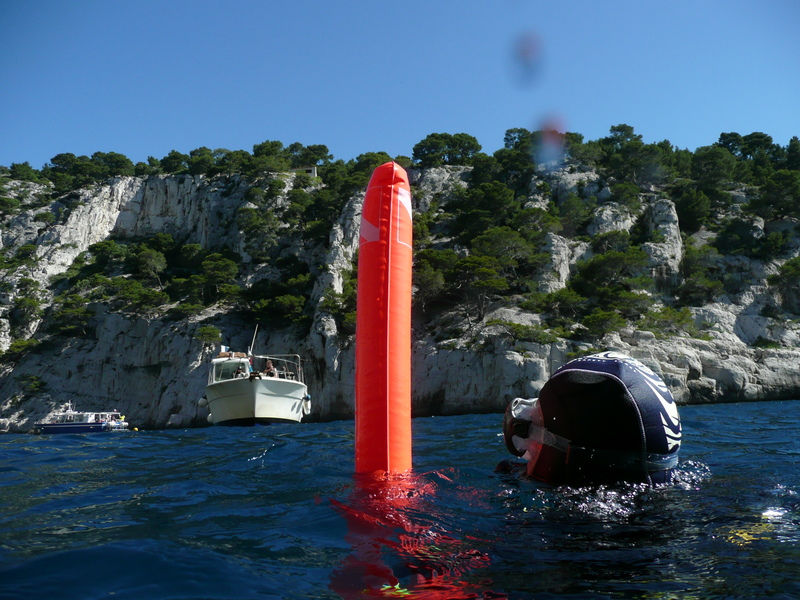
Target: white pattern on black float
point(599, 419)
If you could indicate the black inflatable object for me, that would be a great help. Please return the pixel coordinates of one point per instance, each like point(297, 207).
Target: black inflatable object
point(599, 419)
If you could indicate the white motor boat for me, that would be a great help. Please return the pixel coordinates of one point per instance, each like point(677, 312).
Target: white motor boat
point(246, 389)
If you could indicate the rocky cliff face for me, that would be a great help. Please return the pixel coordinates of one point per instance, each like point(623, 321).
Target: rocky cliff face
point(154, 370)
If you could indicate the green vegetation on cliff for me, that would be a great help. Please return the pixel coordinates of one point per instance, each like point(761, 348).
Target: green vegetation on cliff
point(484, 242)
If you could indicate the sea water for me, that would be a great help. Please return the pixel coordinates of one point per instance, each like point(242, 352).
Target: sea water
point(274, 512)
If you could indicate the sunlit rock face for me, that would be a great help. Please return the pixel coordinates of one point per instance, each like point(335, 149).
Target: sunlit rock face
point(154, 370)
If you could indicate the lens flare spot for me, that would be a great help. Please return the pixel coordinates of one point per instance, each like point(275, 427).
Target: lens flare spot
point(527, 57)
point(549, 151)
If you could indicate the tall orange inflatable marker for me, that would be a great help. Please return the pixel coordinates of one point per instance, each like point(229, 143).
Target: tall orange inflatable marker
point(383, 325)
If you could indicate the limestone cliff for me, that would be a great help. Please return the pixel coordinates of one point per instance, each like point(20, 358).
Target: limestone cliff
point(153, 368)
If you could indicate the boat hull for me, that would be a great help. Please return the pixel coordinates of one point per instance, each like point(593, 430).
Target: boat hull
point(248, 401)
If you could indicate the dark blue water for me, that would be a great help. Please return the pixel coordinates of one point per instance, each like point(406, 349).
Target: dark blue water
point(274, 512)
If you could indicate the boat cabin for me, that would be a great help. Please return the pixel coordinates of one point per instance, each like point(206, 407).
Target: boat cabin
point(88, 417)
point(229, 369)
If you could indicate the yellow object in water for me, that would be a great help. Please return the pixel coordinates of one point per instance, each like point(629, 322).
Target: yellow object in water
point(744, 535)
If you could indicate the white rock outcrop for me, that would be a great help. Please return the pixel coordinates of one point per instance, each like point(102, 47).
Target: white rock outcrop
point(155, 370)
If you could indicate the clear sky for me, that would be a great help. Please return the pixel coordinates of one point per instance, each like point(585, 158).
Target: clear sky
point(146, 77)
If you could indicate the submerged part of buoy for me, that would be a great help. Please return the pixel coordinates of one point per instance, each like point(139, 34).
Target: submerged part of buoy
point(605, 418)
point(383, 325)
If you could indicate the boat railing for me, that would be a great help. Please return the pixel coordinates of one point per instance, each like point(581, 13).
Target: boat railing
point(238, 365)
point(282, 366)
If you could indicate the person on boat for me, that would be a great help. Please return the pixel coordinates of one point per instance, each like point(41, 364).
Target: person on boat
point(240, 372)
point(600, 419)
point(270, 370)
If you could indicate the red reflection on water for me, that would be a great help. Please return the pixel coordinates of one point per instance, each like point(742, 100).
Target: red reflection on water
point(391, 555)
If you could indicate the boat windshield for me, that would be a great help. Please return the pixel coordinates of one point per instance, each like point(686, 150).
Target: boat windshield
point(230, 369)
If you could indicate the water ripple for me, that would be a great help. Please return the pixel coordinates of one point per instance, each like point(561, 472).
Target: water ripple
point(274, 512)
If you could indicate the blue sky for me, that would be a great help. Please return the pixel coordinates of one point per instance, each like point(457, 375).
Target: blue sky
point(146, 77)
